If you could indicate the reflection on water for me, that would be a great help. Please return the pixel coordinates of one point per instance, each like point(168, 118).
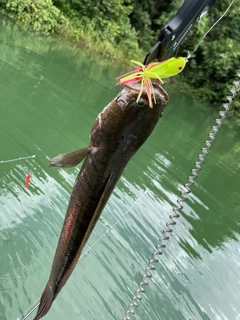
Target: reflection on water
point(50, 97)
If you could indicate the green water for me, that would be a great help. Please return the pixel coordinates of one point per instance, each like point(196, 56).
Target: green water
point(50, 97)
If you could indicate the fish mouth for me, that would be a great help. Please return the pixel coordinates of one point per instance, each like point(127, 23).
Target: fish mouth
point(160, 94)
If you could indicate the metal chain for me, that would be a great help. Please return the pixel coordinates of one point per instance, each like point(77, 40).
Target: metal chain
point(183, 197)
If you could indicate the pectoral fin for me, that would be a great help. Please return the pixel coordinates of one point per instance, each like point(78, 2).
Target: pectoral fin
point(69, 160)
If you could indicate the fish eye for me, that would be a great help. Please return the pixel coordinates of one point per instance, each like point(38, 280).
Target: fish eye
point(141, 102)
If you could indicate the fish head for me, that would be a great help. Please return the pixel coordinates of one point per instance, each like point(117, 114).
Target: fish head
point(159, 95)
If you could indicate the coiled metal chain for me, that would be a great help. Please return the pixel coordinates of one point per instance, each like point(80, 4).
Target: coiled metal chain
point(183, 197)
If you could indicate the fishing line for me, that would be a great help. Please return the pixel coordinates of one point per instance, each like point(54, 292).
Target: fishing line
point(190, 54)
point(26, 314)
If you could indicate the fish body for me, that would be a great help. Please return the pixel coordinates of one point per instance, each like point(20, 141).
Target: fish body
point(118, 132)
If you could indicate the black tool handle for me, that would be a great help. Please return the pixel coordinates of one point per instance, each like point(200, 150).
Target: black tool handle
point(178, 28)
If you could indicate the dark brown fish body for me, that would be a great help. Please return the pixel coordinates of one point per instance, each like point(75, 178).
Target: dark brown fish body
point(118, 132)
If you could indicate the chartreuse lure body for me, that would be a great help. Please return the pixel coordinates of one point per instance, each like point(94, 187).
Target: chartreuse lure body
point(155, 70)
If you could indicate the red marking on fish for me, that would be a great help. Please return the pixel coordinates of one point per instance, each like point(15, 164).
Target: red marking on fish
point(28, 180)
point(69, 225)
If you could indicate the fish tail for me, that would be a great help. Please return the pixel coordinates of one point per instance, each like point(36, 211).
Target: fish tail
point(45, 303)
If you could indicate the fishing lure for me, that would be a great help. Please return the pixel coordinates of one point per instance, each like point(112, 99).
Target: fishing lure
point(155, 70)
point(28, 180)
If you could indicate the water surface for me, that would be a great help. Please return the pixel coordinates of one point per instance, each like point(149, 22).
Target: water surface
point(50, 97)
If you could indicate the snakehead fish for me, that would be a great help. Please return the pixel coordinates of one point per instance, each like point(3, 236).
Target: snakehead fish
point(118, 132)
